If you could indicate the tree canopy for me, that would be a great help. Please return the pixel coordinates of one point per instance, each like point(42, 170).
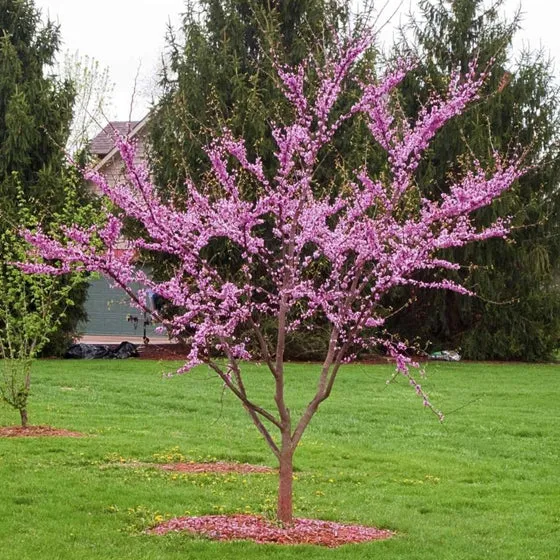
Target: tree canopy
point(220, 72)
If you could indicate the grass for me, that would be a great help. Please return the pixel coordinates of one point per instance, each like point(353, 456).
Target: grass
point(485, 484)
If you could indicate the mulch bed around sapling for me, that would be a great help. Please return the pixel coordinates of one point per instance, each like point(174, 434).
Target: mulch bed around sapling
point(219, 467)
point(260, 530)
point(36, 431)
point(192, 467)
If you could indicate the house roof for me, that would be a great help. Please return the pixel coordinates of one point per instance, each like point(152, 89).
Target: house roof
point(130, 129)
point(104, 142)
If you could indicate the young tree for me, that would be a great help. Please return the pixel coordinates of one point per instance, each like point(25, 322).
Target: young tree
point(517, 315)
point(93, 90)
point(372, 236)
point(32, 307)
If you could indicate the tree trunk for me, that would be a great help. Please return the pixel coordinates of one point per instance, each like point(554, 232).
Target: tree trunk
point(23, 402)
point(285, 486)
point(23, 415)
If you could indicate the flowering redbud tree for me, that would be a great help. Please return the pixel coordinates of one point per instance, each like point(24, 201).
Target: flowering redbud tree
point(364, 241)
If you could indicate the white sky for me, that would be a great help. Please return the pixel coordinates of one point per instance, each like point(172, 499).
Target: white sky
point(126, 35)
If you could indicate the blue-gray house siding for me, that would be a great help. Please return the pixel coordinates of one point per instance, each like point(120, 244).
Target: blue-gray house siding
point(110, 314)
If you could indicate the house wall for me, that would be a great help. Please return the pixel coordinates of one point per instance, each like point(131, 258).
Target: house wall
point(109, 313)
point(107, 308)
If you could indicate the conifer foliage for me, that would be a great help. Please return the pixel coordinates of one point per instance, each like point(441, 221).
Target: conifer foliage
point(218, 72)
point(35, 108)
point(517, 315)
point(35, 116)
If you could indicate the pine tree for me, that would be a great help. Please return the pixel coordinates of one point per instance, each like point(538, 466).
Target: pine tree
point(35, 109)
point(518, 313)
point(35, 116)
point(219, 72)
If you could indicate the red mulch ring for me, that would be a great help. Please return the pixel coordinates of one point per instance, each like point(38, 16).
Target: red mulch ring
point(219, 467)
point(259, 530)
point(36, 431)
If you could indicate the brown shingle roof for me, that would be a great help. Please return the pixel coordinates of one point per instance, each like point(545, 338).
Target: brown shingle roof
point(103, 143)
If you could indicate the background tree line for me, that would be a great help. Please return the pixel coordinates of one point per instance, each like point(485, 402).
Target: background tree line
point(218, 71)
point(36, 114)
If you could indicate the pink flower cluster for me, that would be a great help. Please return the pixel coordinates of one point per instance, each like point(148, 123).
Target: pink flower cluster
point(305, 256)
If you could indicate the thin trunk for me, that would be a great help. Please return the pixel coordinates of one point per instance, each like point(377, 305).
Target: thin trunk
point(285, 486)
point(23, 415)
point(23, 409)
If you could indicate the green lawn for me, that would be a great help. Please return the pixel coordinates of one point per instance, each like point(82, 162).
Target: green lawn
point(485, 484)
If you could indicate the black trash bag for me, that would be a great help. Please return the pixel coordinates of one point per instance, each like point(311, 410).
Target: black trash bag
point(101, 351)
point(87, 352)
point(124, 350)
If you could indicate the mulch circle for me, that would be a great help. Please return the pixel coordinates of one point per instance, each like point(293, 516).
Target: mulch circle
point(36, 431)
point(219, 467)
point(258, 529)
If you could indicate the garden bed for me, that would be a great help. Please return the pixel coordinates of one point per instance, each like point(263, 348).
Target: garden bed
point(36, 431)
point(260, 530)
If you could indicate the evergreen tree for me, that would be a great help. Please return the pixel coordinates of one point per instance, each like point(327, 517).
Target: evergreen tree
point(219, 71)
point(35, 108)
point(35, 116)
point(518, 313)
